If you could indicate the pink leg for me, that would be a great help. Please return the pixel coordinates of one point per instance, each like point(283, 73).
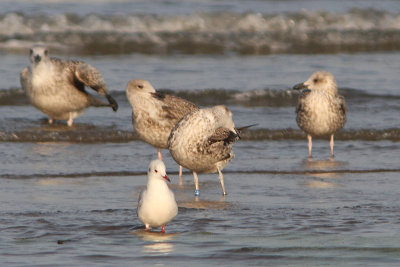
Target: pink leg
point(70, 120)
point(159, 153)
point(196, 184)
point(221, 179)
point(50, 120)
point(309, 145)
point(180, 175)
point(332, 143)
point(163, 229)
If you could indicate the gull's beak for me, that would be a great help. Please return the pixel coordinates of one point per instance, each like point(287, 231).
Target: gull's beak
point(37, 58)
point(300, 86)
point(166, 178)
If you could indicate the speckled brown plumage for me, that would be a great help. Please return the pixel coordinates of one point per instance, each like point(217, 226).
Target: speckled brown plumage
point(155, 114)
point(320, 110)
point(57, 87)
point(203, 141)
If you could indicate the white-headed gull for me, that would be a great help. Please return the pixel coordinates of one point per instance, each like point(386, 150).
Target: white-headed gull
point(157, 205)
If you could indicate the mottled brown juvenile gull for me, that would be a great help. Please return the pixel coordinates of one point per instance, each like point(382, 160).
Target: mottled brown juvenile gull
point(57, 87)
point(320, 110)
point(154, 114)
point(203, 142)
point(156, 205)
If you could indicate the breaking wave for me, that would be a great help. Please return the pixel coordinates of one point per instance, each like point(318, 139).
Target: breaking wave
point(205, 33)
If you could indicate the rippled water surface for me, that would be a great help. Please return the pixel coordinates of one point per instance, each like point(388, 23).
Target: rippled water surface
point(69, 194)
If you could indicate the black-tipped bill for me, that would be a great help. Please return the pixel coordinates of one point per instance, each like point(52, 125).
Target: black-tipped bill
point(300, 86)
point(37, 58)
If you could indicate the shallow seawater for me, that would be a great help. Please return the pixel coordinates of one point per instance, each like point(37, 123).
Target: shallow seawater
point(266, 219)
point(69, 194)
point(75, 203)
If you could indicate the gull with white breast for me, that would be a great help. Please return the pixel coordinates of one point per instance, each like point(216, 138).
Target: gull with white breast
point(157, 205)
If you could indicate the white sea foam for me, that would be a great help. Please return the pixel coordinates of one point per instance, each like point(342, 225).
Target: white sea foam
point(210, 32)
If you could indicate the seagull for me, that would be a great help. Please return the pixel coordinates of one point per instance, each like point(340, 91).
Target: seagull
point(154, 114)
point(57, 87)
point(320, 109)
point(157, 205)
point(202, 142)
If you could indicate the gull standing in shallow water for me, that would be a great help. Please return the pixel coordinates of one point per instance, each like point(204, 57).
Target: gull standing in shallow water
point(320, 109)
point(57, 87)
point(154, 114)
point(203, 142)
point(157, 205)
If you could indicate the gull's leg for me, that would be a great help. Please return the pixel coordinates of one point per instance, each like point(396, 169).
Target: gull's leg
point(221, 179)
point(147, 227)
point(332, 143)
point(163, 229)
point(309, 145)
point(50, 120)
point(70, 120)
point(196, 184)
point(180, 175)
point(159, 153)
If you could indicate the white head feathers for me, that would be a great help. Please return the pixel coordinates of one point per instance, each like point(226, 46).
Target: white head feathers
point(157, 170)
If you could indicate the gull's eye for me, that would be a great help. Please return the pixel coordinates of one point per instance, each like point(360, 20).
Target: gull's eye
point(156, 171)
point(140, 86)
point(315, 80)
point(46, 52)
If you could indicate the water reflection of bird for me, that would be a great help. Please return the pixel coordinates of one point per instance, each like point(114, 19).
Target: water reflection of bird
point(320, 110)
point(157, 205)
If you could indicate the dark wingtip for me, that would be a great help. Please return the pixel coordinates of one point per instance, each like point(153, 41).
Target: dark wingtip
point(243, 128)
point(115, 107)
point(113, 103)
point(238, 134)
